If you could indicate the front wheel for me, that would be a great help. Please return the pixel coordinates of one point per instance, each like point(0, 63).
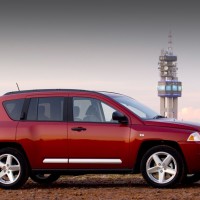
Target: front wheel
point(162, 166)
point(44, 178)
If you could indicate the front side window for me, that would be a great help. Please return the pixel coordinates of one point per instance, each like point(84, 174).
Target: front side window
point(46, 109)
point(14, 108)
point(92, 110)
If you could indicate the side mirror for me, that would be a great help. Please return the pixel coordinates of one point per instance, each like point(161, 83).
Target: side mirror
point(120, 117)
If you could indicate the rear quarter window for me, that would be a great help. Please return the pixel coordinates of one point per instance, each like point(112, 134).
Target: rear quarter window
point(14, 108)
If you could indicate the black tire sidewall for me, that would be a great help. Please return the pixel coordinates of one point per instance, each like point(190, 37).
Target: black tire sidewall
point(24, 173)
point(179, 161)
point(192, 179)
point(51, 178)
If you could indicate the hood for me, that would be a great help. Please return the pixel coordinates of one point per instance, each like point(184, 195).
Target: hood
point(173, 123)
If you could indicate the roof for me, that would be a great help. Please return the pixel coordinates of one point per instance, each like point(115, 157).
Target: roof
point(45, 90)
point(61, 90)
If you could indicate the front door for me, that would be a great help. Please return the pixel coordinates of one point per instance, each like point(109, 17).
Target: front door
point(95, 140)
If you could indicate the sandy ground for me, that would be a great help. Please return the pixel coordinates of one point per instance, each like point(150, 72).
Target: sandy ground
point(100, 187)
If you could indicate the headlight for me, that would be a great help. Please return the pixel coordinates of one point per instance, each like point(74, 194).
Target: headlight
point(194, 137)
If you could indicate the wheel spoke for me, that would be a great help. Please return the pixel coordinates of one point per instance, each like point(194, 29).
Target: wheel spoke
point(156, 159)
point(2, 173)
point(167, 160)
point(170, 171)
point(10, 176)
point(14, 168)
point(153, 170)
point(161, 177)
point(9, 160)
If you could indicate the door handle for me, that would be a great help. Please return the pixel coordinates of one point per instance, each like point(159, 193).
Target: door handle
point(79, 129)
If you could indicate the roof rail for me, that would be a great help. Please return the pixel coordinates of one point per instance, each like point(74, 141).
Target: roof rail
point(45, 90)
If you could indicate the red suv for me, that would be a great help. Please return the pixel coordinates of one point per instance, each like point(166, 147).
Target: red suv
point(47, 133)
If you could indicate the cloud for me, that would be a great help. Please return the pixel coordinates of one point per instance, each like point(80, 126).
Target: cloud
point(189, 114)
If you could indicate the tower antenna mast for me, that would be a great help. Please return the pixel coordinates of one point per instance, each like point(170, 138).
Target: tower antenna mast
point(169, 88)
point(170, 48)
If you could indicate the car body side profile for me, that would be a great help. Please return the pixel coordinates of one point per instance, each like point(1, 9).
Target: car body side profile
point(48, 133)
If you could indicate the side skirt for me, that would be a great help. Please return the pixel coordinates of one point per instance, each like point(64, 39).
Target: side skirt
point(83, 171)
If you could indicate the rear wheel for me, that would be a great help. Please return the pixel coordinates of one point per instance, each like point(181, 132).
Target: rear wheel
point(44, 178)
point(13, 168)
point(162, 166)
point(192, 178)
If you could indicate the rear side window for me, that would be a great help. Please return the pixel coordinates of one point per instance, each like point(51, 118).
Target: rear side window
point(46, 109)
point(14, 108)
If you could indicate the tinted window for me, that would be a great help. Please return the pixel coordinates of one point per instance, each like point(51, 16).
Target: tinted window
point(91, 110)
point(14, 108)
point(32, 111)
point(46, 109)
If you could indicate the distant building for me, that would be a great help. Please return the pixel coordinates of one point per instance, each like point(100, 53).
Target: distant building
point(169, 88)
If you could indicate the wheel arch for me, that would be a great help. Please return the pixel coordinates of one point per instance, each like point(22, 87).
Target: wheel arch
point(18, 147)
point(146, 145)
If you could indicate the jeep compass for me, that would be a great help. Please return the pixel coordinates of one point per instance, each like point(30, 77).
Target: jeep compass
point(53, 132)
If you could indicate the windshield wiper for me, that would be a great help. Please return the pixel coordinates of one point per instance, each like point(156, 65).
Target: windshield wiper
point(159, 117)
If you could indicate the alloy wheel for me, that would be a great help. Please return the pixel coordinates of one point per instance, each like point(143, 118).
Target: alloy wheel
point(10, 169)
point(161, 167)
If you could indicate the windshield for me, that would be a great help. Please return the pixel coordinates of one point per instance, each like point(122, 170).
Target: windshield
point(137, 108)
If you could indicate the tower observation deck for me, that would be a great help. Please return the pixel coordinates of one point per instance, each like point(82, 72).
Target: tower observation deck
point(169, 88)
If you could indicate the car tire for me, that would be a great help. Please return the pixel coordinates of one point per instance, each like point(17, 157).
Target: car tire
point(192, 178)
point(162, 167)
point(14, 170)
point(44, 178)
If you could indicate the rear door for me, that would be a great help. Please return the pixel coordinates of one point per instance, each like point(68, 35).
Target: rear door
point(95, 140)
point(43, 133)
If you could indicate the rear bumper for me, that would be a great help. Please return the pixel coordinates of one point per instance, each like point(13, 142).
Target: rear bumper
point(191, 152)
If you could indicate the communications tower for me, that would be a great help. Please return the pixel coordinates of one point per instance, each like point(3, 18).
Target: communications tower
point(169, 88)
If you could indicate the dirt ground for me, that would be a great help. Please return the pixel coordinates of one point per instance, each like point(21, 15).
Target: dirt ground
point(100, 187)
